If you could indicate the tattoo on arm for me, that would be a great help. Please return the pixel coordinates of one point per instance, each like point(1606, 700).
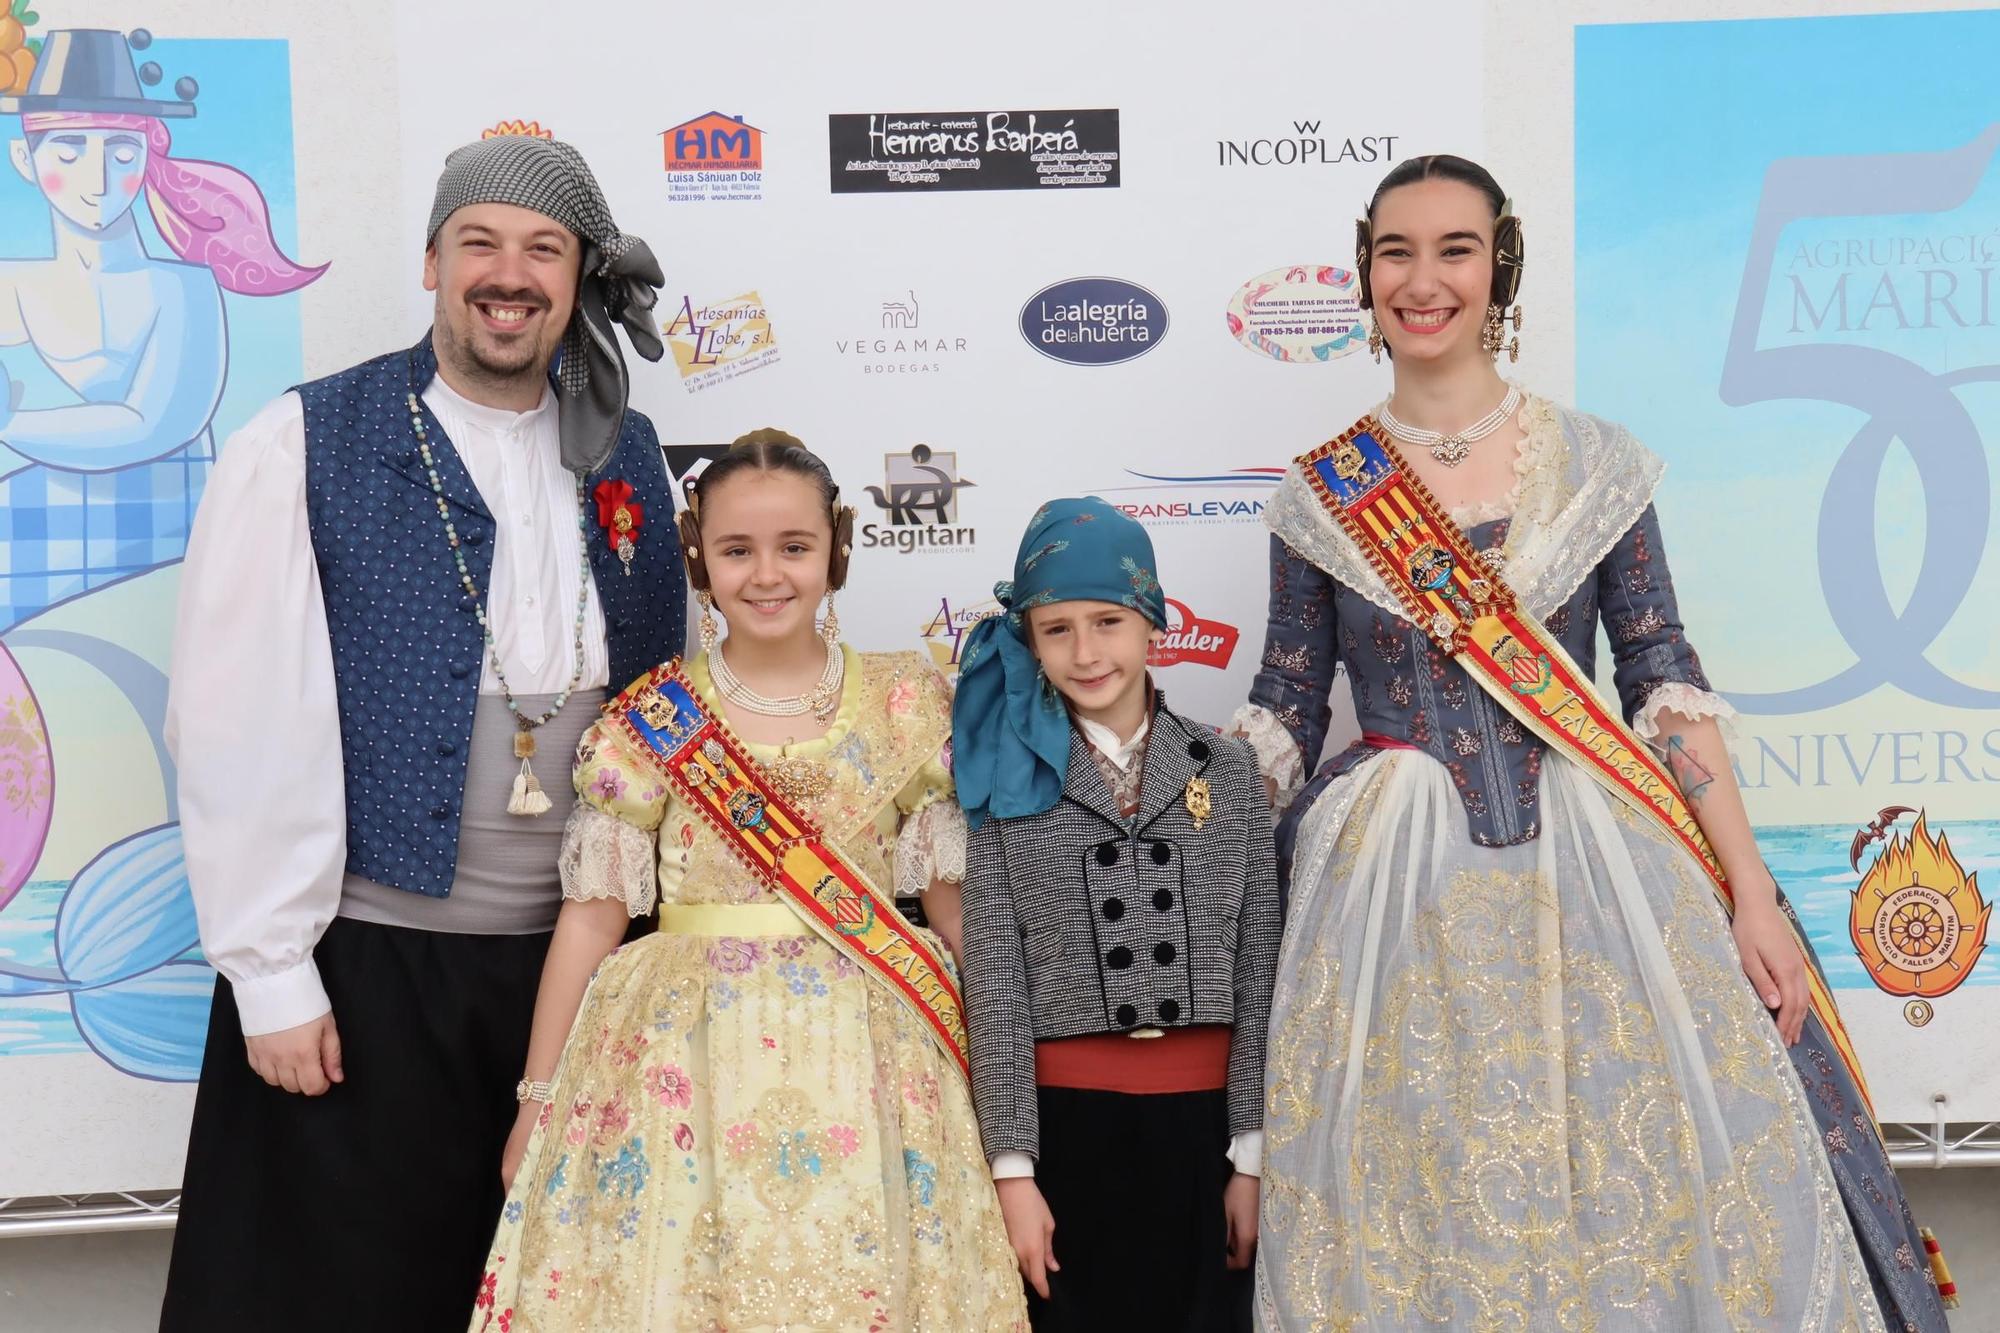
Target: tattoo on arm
point(1694, 777)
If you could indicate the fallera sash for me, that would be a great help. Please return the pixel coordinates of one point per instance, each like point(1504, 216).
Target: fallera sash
point(667, 722)
point(1467, 609)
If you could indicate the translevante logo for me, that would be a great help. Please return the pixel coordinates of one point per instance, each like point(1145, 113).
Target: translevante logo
point(1093, 321)
point(1189, 638)
point(1231, 495)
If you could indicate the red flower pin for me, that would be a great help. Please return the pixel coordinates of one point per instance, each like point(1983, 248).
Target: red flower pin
point(620, 516)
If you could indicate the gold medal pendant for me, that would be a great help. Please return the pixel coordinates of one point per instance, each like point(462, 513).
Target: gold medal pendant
point(1199, 806)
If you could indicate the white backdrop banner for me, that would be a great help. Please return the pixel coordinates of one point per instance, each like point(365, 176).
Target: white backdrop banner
point(978, 259)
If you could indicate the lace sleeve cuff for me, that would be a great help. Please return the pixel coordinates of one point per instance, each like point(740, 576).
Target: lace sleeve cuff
point(605, 857)
point(1277, 753)
point(931, 846)
point(1690, 702)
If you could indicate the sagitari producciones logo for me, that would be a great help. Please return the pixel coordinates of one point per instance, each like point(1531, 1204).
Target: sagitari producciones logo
point(919, 494)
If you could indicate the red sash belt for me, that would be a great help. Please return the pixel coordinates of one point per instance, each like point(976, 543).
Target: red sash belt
point(1193, 1059)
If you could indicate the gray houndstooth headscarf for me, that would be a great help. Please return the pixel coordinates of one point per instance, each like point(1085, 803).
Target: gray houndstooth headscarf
point(619, 280)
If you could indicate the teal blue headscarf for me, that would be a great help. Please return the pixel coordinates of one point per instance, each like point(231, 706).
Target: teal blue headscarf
point(1009, 737)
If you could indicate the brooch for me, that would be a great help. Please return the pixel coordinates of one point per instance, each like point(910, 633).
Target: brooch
point(620, 516)
point(799, 780)
point(1199, 806)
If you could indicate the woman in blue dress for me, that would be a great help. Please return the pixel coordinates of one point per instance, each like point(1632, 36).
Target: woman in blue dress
point(1525, 1071)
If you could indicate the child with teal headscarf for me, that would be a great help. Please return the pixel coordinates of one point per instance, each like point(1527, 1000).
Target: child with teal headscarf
point(1120, 943)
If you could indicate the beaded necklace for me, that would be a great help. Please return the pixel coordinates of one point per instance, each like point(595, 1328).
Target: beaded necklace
point(1453, 447)
point(527, 797)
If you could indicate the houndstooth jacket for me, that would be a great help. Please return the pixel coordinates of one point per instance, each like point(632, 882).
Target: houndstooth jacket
point(1080, 921)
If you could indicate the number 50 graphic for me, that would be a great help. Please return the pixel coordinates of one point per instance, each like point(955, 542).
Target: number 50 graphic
point(1903, 401)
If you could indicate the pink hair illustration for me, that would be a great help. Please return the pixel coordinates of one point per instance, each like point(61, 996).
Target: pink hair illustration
point(208, 213)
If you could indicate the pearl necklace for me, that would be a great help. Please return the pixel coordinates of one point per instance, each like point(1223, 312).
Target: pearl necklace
point(1452, 449)
point(822, 700)
point(527, 797)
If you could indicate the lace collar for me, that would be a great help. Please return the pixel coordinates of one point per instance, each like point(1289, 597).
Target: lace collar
point(1580, 482)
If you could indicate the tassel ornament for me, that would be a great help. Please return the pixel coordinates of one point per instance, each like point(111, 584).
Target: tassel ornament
point(1947, 1289)
point(528, 797)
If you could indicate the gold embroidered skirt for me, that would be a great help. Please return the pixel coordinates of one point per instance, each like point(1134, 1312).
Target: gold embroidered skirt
point(747, 1135)
point(1529, 1087)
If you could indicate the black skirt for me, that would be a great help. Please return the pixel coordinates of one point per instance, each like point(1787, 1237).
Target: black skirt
point(370, 1207)
point(1135, 1184)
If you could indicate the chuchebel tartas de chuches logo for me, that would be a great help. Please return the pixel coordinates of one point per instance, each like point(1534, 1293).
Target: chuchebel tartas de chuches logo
point(1308, 314)
point(1093, 321)
point(1917, 919)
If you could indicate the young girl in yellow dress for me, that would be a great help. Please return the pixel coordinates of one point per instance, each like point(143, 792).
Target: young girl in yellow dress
point(749, 1126)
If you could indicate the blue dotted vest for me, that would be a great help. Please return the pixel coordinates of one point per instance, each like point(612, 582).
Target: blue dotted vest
point(407, 646)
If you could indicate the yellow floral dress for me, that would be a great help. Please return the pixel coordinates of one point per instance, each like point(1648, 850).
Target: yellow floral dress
point(749, 1133)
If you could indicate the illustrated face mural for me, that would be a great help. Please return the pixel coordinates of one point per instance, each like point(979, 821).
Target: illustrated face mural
point(90, 177)
point(164, 312)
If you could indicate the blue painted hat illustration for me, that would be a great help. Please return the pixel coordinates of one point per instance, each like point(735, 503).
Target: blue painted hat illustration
point(92, 69)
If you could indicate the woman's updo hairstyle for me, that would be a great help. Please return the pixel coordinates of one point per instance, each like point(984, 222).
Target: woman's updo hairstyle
point(766, 450)
point(1507, 251)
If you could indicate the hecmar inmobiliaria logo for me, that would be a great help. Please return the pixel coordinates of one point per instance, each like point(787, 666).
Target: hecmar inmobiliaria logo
point(713, 159)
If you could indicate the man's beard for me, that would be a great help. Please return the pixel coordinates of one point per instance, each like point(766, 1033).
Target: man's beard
point(502, 366)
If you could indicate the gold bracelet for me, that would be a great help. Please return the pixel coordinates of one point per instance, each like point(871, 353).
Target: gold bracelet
point(538, 1091)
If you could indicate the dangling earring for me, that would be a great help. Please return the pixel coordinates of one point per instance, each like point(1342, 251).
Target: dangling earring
point(1374, 339)
point(1493, 336)
point(709, 632)
point(829, 628)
